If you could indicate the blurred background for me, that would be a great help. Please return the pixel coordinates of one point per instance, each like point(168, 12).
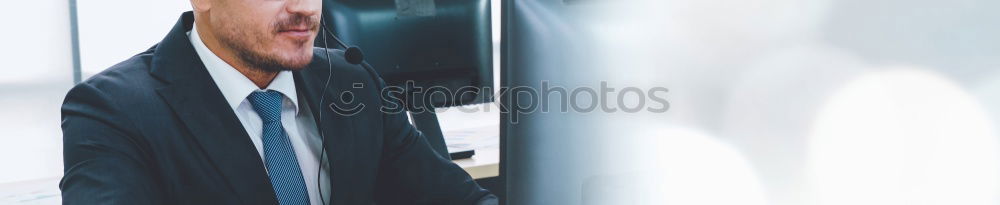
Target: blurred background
point(38, 68)
point(771, 101)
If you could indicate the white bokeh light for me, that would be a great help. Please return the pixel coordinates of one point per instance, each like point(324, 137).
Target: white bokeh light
point(693, 168)
point(902, 136)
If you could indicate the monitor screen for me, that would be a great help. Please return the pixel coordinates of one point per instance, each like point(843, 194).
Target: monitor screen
point(432, 43)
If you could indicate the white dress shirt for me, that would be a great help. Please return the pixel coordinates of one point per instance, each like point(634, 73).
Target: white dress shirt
point(295, 115)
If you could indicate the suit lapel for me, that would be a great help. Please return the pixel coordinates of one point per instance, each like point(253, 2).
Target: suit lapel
point(199, 104)
point(337, 129)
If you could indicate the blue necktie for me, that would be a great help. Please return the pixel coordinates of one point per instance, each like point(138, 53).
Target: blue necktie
point(279, 156)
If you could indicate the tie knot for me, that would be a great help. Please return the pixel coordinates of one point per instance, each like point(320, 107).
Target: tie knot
point(267, 104)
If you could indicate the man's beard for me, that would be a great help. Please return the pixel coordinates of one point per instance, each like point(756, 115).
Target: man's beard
point(252, 54)
point(262, 61)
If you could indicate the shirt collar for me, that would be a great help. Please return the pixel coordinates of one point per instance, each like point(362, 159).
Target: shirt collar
point(234, 85)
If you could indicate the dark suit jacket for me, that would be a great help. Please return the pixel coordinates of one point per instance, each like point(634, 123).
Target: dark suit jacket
point(155, 129)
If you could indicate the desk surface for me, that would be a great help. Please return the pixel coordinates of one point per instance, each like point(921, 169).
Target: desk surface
point(486, 163)
point(485, 140)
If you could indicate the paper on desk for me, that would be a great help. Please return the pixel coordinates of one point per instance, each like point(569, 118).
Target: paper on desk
point(42, 191)
point(472, 138)
point(465, 130)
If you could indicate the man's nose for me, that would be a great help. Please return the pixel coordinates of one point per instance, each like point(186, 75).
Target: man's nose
point(304, 7)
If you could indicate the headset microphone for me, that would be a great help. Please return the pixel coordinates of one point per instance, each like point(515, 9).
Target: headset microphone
point(352, 54)
point(319, 127)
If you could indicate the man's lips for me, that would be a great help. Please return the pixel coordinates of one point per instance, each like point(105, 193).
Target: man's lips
point(302, 32)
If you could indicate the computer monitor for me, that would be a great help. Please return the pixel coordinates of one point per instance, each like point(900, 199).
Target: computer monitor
point(442, 47)
point(433, 43)
point(547, 41)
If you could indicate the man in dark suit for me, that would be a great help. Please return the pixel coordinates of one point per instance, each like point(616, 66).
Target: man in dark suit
point(232, 107)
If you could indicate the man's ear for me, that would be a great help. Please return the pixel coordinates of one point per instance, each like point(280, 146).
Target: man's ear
point(201, 5)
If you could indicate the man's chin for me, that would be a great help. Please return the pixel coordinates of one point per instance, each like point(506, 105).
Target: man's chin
point(298, 63)
point(276, 62)
point(297, 66)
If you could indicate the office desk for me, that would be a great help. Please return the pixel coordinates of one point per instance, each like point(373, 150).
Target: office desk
point(478, 130)
point(486, 163)
point(485, 140)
